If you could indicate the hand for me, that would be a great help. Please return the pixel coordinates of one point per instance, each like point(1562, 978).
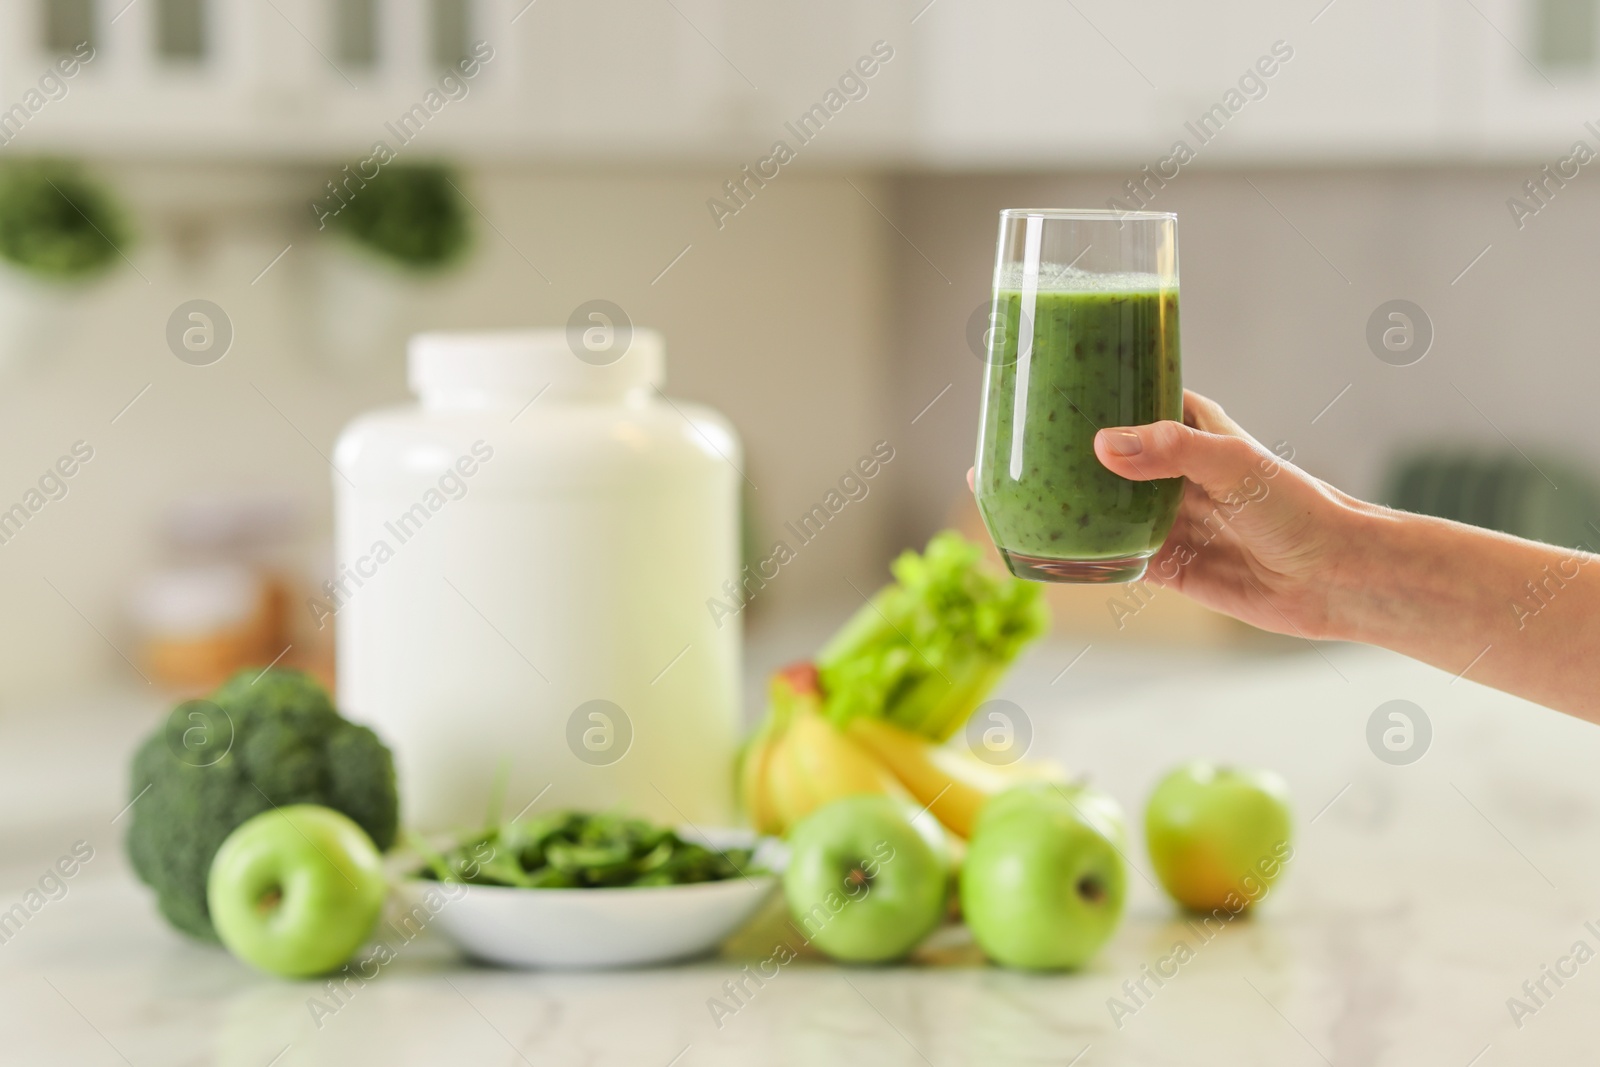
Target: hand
point(1256, 537)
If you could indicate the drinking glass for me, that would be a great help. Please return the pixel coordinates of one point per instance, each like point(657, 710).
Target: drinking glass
point(1083, 335)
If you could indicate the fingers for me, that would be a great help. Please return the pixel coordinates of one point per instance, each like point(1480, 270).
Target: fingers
point(971, 484)
point(1213, 454)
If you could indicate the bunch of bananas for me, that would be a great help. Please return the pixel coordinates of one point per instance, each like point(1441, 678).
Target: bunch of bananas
point(797, 761)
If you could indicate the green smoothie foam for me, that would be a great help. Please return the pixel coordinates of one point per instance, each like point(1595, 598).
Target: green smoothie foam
point(1096, 351)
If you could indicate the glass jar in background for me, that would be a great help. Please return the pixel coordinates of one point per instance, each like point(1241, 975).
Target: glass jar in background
point(218, 602)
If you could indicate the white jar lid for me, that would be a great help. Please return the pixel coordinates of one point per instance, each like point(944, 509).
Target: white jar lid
point(583, 363)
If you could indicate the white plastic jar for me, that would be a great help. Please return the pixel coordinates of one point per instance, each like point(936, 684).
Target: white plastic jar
point(525, 559)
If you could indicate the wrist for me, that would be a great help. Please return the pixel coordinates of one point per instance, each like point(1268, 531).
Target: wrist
point(1417, 584)
point(1367, 594)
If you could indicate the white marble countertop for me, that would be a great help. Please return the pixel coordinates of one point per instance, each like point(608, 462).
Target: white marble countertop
point(1420, 899)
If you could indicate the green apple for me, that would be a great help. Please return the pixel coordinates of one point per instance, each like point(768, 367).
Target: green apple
point(1218, 836)
point(1098, 807)
point(295, 891)
point(863, 883)
point(1042, 886)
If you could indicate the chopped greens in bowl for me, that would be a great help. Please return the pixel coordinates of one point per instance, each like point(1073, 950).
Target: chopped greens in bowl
point(574, 850)
point(707, 884)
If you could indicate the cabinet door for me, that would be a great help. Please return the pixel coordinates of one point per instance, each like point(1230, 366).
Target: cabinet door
point(1034, 81)
point(1075, 82)
point(1368, 83)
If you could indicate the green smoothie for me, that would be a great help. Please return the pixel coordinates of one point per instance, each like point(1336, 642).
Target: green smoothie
point(1104, 353)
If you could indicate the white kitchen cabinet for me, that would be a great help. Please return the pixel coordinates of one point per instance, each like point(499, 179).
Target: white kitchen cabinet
point(275, 79)
point(996, 84)
point(1053, 83)
point(602, 79)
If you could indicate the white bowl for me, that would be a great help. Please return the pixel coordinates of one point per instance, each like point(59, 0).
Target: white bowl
point(597, 928)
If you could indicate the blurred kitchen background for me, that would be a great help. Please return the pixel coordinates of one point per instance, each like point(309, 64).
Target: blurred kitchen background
point(827, 306)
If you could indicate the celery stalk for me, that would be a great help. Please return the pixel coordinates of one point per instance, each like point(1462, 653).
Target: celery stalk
point(926, 650)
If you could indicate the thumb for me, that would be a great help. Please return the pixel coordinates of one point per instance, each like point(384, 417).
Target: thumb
point(1218, 463)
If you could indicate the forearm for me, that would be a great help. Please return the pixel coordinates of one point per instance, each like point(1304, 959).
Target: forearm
point(1513, 614)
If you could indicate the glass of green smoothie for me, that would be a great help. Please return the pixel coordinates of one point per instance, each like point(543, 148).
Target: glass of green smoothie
point(1083, 335)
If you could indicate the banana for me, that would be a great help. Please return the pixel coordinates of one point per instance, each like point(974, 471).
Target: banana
point(754, 791)
point(952, 785)
point(1038, 770)
point(791, 800)
point(789, 774)
point(830, 765)
point(799, 761)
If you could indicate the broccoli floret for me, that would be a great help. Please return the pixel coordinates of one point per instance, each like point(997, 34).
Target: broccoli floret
point(279, 742)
